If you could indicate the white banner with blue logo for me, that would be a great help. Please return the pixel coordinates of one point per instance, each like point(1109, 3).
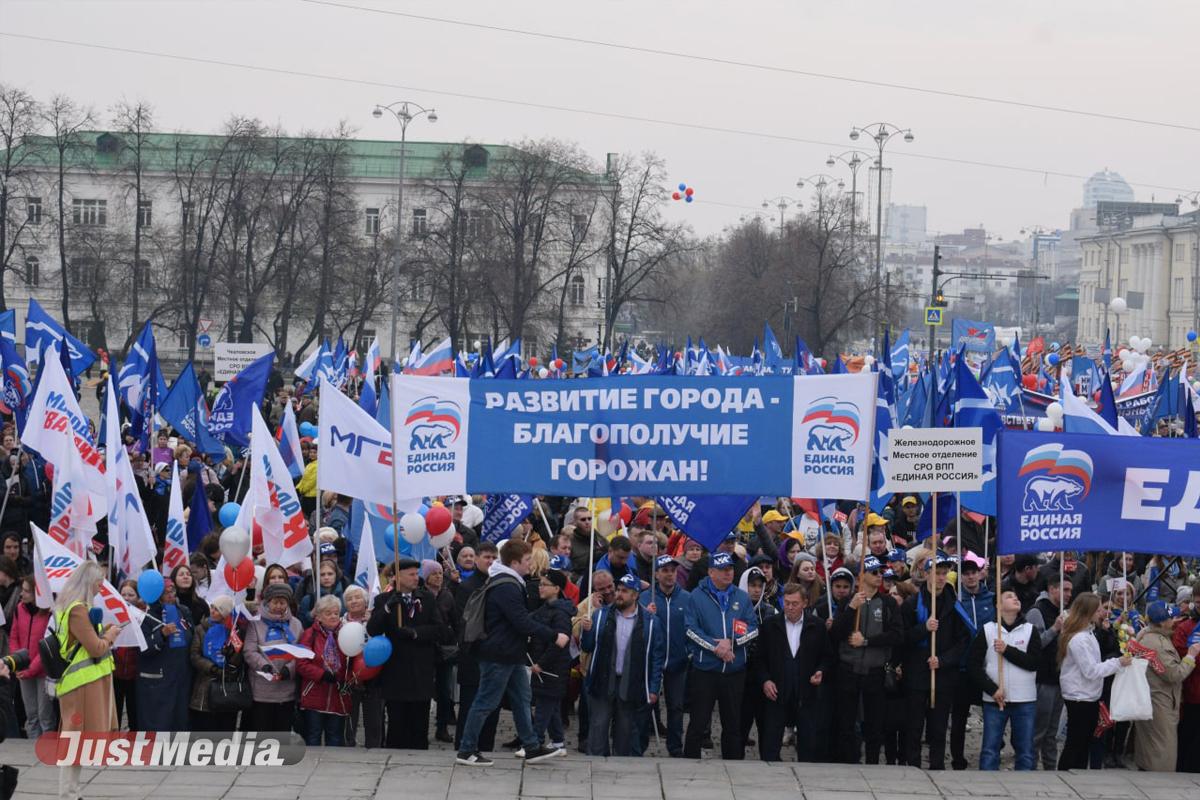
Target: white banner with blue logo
point(1075, 491)
point(806, 436)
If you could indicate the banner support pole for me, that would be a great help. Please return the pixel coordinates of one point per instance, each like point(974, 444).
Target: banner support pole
point(930, 583)
point(999, 632)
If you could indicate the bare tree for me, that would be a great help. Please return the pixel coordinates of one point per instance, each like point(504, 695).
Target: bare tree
point(19, 118)
point(579, 247)
point(136, 122)
point(640, 246)
point(529, 198)
point(66, 121)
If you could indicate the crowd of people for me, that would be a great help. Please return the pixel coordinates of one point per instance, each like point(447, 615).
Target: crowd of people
point(854, 637)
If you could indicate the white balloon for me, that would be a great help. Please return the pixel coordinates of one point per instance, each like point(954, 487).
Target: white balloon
point(1147, 343)
point(868, 360)
point(234, 544)
point(443, 539)
point(543, 372)
point(1118, 305)
point(1005, 340)
point(352, 638)
point(412, 527)
point(1141, 344)
point(1133, 341)
point(1045, 424)
point(472, 516)
point(906, 427)
point(1054, 411)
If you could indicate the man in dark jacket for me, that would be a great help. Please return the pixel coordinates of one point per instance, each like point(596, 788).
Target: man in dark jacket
point(551, 664)
point(668, 602)
point(923, 658)
point(468, 662)
point(502, 656)
point(1023, 579)
point(980, 604)
point(1046, 617)
point(699, 570)
point(864, 632)
point(793, 657)
point(409, 616)
point(628, 649)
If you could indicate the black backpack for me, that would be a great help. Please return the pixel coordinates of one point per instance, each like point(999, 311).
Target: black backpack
point(475, 613)
point(53, 660)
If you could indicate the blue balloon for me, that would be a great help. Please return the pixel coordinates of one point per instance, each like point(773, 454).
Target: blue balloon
point(423, 510)
point(683, 187)
point(689, 198)
point(1191, 336)
point(377, 651)
point(150, 586)
point(1054, 346)
point(308, 429)
point(1053, 359)
point(228, 514)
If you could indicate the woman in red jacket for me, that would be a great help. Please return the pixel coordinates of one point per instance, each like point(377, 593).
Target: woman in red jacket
point(28, 628)
point(324, 678)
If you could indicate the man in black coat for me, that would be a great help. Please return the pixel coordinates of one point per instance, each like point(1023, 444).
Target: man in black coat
point(468, 662)
point(409, 616)
point(503, 655)
point(954, 633)
point(794, 655)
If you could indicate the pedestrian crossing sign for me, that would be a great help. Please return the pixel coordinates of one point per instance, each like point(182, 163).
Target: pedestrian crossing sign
point(933, 315)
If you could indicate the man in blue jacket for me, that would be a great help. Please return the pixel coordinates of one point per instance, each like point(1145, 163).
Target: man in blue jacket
point(720, 624)
point(668, 601)
point(502, 656)
point(980, 604)
point(623, 679)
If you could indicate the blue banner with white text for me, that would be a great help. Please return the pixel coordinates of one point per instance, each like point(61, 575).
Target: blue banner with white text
point(1076, 491)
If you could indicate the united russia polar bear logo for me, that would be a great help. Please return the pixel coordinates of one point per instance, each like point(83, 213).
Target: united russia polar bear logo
point(433, 423)
point(834, 425)
point(828, 437)
point(1056, 477)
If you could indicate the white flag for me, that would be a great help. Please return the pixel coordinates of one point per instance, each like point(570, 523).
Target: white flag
point(355, 450)
point(272, 505)
point(70, 506)
point(175, 540)
point(129, 532)
point(366, 568)
point(118, 612)
point(56, 427)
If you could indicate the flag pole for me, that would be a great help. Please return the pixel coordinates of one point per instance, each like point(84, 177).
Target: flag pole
point(395, 479)
point(958, 544)
point(316, 556)
point(930, 581)
point(999, 631)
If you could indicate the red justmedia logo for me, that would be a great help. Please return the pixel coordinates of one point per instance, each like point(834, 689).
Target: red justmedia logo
point(168, 749)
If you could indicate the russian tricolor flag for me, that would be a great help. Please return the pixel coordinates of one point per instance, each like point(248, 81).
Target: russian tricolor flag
point(438, 361)
point(288, 437)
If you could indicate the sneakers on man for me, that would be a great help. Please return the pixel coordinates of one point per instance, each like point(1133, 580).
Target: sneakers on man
point(520, 753)
point(539, 753)
point(476, 759)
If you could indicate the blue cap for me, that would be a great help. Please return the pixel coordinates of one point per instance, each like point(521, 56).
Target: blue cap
point(560, 562)
point(721, 561)
point(941, 560)
point(889, 575)
point(897, 555)
point(1158, 611)
point(327, 549)
point(731, 536)
point(630, 581)
point(664, 561)
point(872, 564)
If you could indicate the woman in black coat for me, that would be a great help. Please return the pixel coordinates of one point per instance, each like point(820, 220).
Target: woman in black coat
point(551, 664)
point(409, 616)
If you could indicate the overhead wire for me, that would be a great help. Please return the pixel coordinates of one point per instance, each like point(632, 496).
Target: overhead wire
point(767, 135)
point(732, 62)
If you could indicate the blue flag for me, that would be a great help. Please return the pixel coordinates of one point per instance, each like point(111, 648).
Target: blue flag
point(947, 509)
point(502, 513)
point(199, 521)
point(231, 412)
point(885, 412)
point(140, 384)
point(972, 409)
point(1001, 380)
point(186, 411)
point(772, 352)
point(900, 354)
point(8, 325)
point(1107, 407)
point(42, 331)
point(18, 390)
point(1189, 416)
point(709, 518)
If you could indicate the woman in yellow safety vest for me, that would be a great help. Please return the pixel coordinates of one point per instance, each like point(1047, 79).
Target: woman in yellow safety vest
point(85, 690)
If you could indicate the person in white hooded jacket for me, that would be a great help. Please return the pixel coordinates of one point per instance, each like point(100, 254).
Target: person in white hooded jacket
point(1081, 677)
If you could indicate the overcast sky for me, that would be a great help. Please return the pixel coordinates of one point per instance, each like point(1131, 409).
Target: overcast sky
point(1115, 58)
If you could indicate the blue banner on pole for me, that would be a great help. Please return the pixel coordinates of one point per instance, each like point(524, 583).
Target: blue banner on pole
point(976, 337)
point(502, 513)
point(707, 519)
point(1065, 491)
point(619, 437)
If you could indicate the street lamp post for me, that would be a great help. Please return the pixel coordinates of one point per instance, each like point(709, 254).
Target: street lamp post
point(853, 159)
point(820, 182)
point(781, 203)
point(404, 112)
point(881, 133)
point(1036, 232)
point(1194, 199)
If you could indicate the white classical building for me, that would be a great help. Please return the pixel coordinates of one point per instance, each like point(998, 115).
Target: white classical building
point(101, 211)
point(1154, 266)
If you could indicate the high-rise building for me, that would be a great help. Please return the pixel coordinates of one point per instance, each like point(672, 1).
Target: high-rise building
point(1106, 185)
point(905, 224)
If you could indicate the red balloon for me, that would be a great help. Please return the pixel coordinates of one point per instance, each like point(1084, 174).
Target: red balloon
point(678, 355)
point(626, 513)
point(690, 191)
point(241, 576)
point(674, 195)
point(558, 363)
point(437, 520)
point(1029, 381)
point(533, 362)
point(256, 534)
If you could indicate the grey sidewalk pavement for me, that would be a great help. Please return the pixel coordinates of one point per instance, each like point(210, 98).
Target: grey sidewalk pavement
point(357, 774)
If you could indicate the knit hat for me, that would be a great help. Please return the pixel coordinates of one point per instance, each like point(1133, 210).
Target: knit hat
point(428, 566)
point(842, 574)
point(223, 603)
point(1183, 594)
point(277, 590)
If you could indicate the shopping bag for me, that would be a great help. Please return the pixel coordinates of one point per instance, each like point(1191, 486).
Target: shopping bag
point(1131, 693)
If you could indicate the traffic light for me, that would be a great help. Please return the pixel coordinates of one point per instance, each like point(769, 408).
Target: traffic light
point(939, 299)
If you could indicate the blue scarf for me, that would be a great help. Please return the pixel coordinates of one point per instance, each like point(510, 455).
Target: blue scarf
point(214, 643)
point(279, 629)
point(171, 615)
point(722, 597)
